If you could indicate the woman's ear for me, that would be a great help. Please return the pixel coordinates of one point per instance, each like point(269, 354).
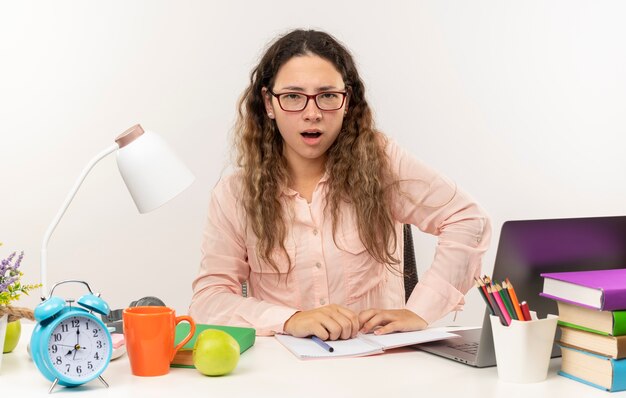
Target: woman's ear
point(267, 99)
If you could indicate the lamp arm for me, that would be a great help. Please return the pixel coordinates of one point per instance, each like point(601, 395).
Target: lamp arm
point(61, 212)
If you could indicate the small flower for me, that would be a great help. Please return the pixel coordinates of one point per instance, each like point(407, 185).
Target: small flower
point(10, 275)
point(19, 260)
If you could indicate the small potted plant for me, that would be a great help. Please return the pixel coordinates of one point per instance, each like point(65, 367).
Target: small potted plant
point(11, 288)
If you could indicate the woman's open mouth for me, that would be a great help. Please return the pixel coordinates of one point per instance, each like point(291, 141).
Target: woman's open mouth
point(311, 137)
point(311, 134)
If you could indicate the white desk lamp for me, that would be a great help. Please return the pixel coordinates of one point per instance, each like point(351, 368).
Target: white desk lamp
point(152, 172)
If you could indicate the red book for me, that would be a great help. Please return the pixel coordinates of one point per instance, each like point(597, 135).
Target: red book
point(600, 289)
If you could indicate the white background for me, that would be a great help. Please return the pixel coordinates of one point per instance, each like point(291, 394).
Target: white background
point(520, 102)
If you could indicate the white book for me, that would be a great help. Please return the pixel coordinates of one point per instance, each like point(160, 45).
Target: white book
point(363, 344)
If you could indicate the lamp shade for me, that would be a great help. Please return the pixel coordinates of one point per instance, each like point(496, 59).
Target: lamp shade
point(152, 172)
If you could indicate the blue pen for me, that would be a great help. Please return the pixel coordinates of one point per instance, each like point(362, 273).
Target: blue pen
point(322, 344)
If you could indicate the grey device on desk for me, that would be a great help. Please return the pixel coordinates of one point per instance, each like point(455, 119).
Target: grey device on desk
point(528, 248)
point(114, 318)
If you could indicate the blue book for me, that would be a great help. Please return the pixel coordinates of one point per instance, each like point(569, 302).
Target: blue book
point(592, 369)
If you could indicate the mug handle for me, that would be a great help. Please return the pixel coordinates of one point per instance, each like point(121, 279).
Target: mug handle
point(192, 331)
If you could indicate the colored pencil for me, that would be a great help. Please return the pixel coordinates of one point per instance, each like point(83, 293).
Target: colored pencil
point(507, 301)
point(498, 299)
point(525, 311)
point(496, 307)
point(483, 292)
point(515, 301)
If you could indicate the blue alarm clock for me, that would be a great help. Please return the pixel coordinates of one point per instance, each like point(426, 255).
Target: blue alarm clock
point(70, 345)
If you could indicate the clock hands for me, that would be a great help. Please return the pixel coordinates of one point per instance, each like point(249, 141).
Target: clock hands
point(75, 347)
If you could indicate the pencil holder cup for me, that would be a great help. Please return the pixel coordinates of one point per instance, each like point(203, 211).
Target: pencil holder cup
point(523, 348)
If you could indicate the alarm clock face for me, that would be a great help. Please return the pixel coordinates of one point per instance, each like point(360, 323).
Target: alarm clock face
point(78, 348)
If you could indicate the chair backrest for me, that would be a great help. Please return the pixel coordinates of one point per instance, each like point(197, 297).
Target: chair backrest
point(410, 266)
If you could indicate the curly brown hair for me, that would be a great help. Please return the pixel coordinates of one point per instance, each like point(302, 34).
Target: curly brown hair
point(357, 166)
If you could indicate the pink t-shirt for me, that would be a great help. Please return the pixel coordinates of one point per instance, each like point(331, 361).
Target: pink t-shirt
point(337, 271)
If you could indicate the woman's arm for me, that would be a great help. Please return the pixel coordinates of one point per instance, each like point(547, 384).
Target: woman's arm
point(217, 296)
point(437, 206)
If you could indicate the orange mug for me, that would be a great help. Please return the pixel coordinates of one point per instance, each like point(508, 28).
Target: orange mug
point(149, 334)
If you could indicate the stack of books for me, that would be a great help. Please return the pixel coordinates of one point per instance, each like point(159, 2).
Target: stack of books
point(592, 318)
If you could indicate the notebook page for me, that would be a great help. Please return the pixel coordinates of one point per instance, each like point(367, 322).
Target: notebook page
point(394, 340)
point(305, 348)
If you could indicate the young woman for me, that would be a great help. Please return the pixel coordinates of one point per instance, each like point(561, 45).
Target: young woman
point(312, 218)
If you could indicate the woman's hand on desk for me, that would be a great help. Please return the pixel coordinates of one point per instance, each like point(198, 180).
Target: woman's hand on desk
point(330, 322)
point(390, 321)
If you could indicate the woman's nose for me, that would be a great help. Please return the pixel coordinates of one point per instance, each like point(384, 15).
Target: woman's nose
point(311, 111)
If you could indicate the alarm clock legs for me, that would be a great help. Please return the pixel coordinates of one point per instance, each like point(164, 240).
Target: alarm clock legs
point(103, 381)
point(53, 385)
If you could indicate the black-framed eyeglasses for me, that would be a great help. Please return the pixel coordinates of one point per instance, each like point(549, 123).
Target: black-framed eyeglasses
point(296, 102)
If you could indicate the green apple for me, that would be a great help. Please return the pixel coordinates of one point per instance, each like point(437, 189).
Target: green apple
point(215, 353)
point(14, 329)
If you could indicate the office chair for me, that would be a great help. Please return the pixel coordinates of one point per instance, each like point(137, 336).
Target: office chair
point(410, 266)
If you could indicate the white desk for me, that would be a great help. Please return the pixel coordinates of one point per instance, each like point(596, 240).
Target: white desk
point(269, 370)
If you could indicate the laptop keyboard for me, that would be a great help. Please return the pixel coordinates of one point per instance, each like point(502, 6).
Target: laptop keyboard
point(470, 348)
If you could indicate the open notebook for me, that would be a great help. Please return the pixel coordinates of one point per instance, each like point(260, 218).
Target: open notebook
point(363, 344)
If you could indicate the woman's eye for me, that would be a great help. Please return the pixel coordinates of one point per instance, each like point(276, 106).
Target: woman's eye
point(328, 95)
point(292, 97)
